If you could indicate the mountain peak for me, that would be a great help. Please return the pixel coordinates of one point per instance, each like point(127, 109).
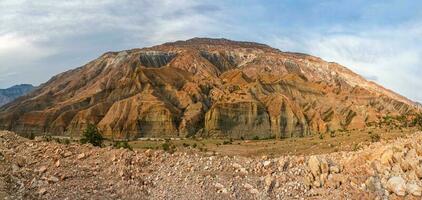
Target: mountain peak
point(205, 87)
point(201, 41)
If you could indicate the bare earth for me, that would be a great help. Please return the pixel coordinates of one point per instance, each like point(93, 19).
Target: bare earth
point(32, 169)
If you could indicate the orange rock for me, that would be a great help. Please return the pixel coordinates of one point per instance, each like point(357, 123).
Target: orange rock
point(212, 87)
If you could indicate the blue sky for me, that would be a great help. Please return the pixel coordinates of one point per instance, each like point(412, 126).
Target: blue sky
point(380, 40)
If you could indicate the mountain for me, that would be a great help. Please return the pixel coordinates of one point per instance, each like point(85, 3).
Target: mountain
point(204, 87)
point(9, 94)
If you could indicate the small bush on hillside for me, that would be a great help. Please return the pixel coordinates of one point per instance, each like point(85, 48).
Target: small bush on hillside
point(31, 136)
point(332, 134)
point(321, 136)
point(122, 144)
point(226, 142)
point(185, 145)
point(256, 138)
point(355, 147)
point(66, 141)
point(418, 121)
point(375, 137)
point(92, 136)
point(166, 146)
point(194, 145)
point(169, 147)
point(47, 138)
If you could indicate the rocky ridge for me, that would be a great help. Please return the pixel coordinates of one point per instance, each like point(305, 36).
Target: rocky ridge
point(9, 94)
point(34, 169)
point(204, 87)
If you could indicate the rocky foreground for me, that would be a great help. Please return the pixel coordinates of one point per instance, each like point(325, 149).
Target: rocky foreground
point(34, 169)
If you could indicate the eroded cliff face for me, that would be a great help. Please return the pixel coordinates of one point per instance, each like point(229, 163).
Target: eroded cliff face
point(204, 87)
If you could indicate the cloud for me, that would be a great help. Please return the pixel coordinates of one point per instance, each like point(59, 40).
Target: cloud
point(391, 57)
point(42, 38)
point(379, 40)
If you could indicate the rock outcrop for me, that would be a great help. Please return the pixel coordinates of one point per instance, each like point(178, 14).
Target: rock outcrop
point(10, 94)
point(205, 87)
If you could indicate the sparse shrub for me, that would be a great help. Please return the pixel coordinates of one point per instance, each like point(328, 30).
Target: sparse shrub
point(226, 142)
point(194, 145)
point(256, 138)
point(375, 137)
point(47, 138)
point(242, 138)
point(31, 136)
point(418, 121)
point(321, 136)
point(122, 144)
point(332, 134)
point(185, 145)
point(92, 136)
point(355, 147)
point(171, 148)
point(66, 141)
point(203, 149)
point(166, 146)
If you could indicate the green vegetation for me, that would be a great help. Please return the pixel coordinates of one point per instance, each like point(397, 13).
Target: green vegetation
point(418, 121)
point(92, 136)
point(375, 137)
point(31, 136)
point(122, 144)
point(168, 147)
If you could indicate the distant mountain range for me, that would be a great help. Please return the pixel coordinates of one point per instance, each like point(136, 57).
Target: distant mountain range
point(10, 94)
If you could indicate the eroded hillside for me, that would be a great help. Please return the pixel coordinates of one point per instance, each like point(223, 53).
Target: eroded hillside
point(204, 87)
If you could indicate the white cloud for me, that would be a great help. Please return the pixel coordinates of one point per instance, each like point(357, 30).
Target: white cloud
point(41, 38)
point(391, 57)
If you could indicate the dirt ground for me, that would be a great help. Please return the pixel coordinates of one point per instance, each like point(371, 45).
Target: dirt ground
point(310, 145)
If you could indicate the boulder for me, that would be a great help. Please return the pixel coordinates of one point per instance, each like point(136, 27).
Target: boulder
point(397, 185)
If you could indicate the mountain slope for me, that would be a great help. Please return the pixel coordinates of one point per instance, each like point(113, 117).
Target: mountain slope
point(9, 94)
point(209, 87)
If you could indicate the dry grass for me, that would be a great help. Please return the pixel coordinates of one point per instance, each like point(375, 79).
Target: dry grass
point(341, 141)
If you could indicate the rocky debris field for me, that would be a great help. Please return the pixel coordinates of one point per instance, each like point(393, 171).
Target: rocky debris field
point(33, 169)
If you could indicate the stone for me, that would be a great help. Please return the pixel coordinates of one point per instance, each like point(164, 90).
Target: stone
point(373, 184)
point(269, 183)
point(418, 171)
point(254, 191)
point(314, 166)
point(237, 166)
point(248, 186)
point(387, 157)
point(266, 163)
point(324, 166)
point(397, 185)
point(53, 179)
point(42, 169)
point(334, 169)
point(323, 178)
point(413, 189)
point(57, 164)
point(81, 156)
point(42, 191)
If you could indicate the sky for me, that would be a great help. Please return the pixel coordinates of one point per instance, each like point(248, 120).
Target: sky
point(379, 39)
